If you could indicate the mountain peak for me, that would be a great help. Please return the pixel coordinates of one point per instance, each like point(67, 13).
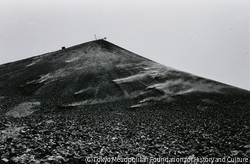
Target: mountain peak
point(92, 97)
point(97, 72)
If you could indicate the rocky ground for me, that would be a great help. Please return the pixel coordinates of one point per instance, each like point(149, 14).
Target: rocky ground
point(159, 130)
point(97, 99)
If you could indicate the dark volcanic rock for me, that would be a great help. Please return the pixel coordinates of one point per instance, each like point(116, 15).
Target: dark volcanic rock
point(98, 72)
point(97, 99)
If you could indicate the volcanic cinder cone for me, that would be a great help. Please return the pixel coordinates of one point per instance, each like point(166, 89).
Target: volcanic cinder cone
point(100, 72)
point(99, 100)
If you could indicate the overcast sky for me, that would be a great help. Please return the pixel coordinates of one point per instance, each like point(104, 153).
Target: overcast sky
point(209, 38)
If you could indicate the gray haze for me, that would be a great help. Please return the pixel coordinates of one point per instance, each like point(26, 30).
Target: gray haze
point(209, 38)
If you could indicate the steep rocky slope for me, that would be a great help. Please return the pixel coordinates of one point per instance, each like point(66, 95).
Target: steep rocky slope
point(99, 100)
point(99, 72)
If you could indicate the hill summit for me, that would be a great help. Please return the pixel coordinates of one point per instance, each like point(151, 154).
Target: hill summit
point(99, 100)
point(101, 72)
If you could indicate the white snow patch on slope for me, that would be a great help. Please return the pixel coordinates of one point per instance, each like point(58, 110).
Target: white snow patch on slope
point(167, 98)
point(84, 90)
point(60, 73)
point(180, 87)
point(23, 109)
point(35, 60)
point(30, 64)
point(153, 70)
point(107, 99)
point(73, 59)
point(130, 78)
point(171, 86)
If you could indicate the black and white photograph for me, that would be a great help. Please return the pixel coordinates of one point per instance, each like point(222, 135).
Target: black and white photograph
point(124, 81)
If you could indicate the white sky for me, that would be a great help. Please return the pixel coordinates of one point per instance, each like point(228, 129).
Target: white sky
point(209, 38)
